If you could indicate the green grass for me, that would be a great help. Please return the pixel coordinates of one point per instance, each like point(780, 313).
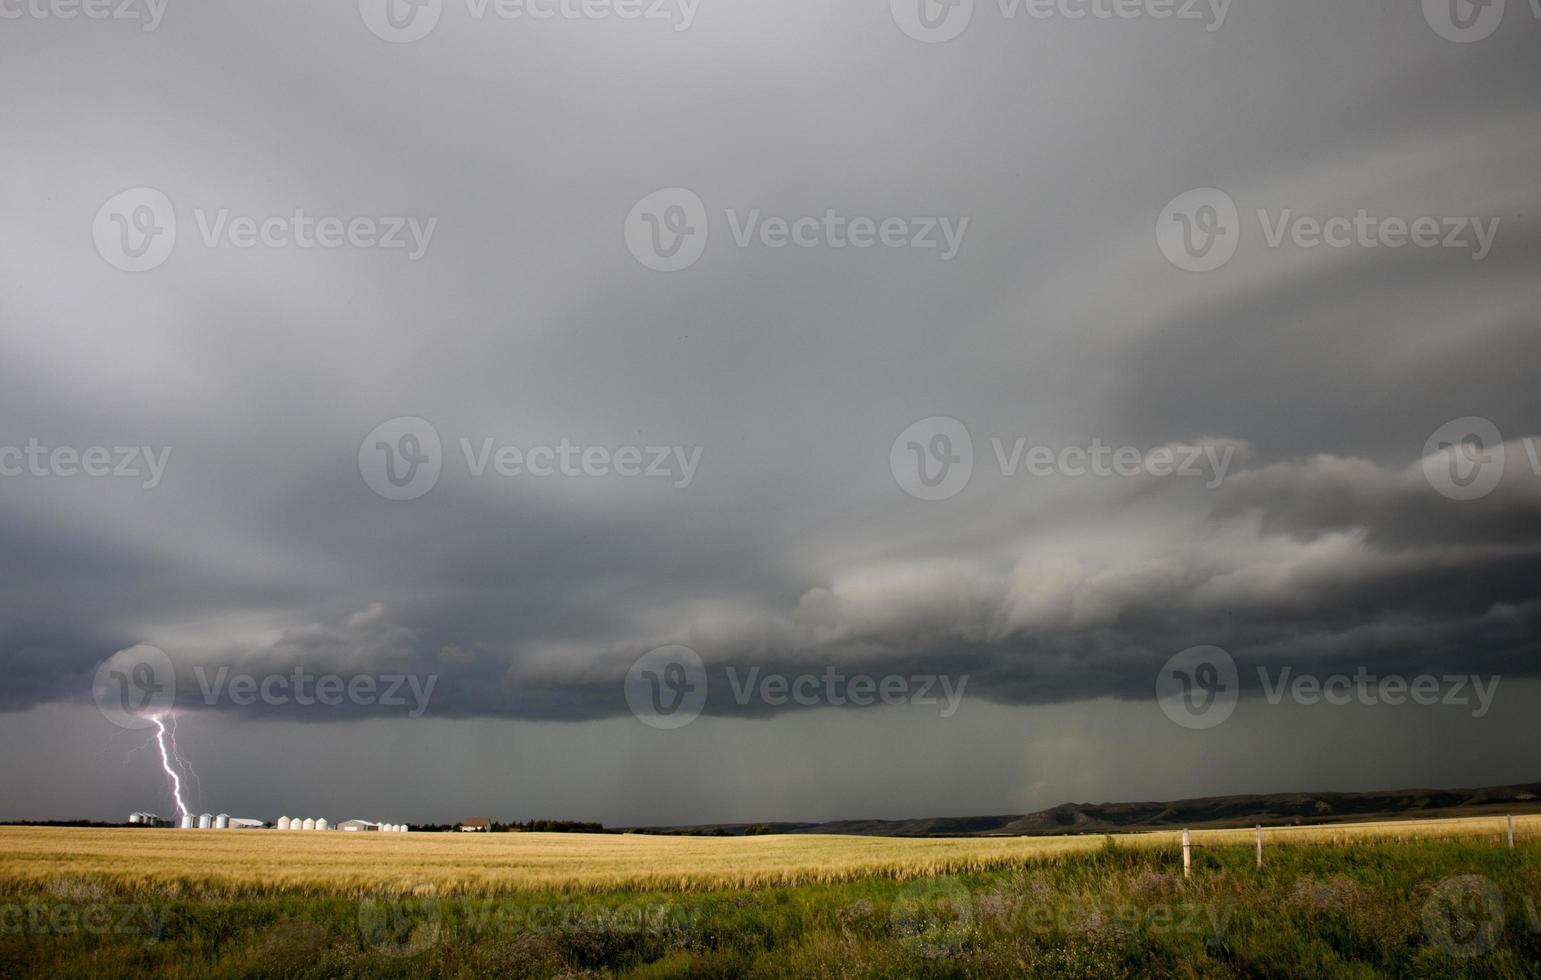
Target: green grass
point(1362, 910)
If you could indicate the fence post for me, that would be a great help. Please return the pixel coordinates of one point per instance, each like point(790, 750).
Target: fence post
point(1259, 845)
point(1187, 855)
point(1511, 831)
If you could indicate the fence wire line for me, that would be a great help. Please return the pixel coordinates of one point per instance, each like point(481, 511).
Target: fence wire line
point(1498, 837)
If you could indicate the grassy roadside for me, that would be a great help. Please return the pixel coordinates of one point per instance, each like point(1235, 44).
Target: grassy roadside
point(1450, 909)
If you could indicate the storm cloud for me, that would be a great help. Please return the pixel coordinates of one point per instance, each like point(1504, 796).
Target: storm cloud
point(528, 323)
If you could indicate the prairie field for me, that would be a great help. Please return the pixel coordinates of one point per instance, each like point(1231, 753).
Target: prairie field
point(1444, 898)
point(336, 863)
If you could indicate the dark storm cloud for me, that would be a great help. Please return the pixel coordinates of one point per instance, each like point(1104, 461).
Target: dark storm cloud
point(794, 549)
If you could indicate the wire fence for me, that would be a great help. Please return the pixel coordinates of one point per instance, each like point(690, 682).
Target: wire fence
point(1260, 839)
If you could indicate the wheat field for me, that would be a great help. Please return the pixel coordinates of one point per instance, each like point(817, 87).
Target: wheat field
point(237, 862)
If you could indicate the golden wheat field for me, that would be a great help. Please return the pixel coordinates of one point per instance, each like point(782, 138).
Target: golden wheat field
point(248, 861)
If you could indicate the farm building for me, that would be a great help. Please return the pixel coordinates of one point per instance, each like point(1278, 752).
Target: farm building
point(476, 824)
point(357, 825)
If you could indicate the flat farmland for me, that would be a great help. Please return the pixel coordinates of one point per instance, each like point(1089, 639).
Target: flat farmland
point(339, 863)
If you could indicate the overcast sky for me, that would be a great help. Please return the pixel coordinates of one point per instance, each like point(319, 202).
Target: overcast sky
point(561, 234)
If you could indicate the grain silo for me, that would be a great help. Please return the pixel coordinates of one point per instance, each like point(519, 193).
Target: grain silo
point(309, 824)
point(205, 821)
point(188, 821)
point(222, 822)
point(283, 823)
point(321, 824)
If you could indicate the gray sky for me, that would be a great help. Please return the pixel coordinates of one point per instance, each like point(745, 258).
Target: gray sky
point(796, 542)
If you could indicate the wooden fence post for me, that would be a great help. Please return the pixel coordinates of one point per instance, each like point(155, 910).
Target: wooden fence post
point(1511, 831)
point(1259, 845)
point(1187, 855)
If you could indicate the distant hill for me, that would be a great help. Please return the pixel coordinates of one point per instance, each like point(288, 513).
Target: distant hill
point(1273, 809)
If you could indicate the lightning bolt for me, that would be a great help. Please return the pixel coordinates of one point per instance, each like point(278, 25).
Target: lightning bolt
point(184, 764)
point(161, 738)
